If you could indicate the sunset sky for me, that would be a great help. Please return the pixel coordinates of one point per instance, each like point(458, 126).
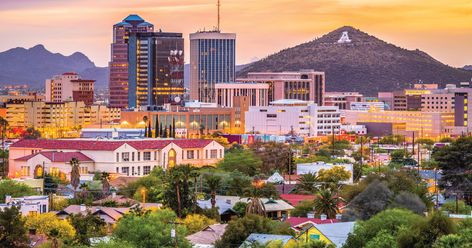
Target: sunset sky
point(442, 28)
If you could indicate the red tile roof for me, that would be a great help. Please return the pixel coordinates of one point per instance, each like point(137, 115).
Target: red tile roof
point(104, 145)
point(296, 221)
point(59, 156)
point(295, 199)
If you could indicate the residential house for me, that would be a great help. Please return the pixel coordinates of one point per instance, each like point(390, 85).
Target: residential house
point(36, 204)
point(332, 233)
point(207, 237)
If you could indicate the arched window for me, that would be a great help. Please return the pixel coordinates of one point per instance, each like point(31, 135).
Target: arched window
point(172, 155)
point(38, 171)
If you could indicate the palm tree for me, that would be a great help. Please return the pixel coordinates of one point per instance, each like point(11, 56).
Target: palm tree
point(214, 182)
point(105, 183)
point(307, 183)
point(75, 173)
point(327, 203)
point(255, 205)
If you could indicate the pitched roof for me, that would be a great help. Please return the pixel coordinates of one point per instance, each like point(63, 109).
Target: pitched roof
point(122, 181)
point(297, 221)
point(209, 235)
point(295, 199)
point(59, 156)
point(263, 239)
point(113, 213)
point(107, 145)
point(226, 203)
point(336, 232)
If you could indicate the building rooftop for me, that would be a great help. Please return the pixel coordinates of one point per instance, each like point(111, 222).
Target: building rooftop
point(106, 145)
point(263, 239)
point(59, 156)
point(297, 221)
point(208, 236)
point(133, 18)
point(289, 102)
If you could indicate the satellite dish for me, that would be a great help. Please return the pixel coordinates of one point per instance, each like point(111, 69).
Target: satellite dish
point(177, 99)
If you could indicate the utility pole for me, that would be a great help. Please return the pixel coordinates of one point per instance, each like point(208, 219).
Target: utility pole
point(413, 145)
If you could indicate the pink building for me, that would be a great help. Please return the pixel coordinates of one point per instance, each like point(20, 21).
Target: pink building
point(342, 99)
point(257, 93)
point(69, 87)
point(306, 85)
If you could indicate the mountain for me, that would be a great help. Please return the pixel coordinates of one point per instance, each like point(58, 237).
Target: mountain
point(34, 65)
point(467, 67)
point(365, 64)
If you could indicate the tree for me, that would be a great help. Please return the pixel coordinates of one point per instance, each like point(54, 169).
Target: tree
point(425, 232)
point(243, 161)
point(14, 189)
point(157, 128)
point(178, 194)
point(196, 222)
point(31, 133)
point(303, 208)
point(214, 183)
point(383, 239)
point(461, 239)
point(371, 201)
point(409, 201)
point(12, 228)
point(3, 126)
point(239, 229)
point(390, 221)
point(48, 222)
point(105, 177)
point(237, 183)
point(86, 226)
point(173, 127)
point(327, 203)
point(307, 183)
point(334, 175)
point(455, 162)
point(462, 208)
point(75, 173)
point(240, 208)
point(161, 131)
point(274, 156)
point(152, 183)
point(153, 229)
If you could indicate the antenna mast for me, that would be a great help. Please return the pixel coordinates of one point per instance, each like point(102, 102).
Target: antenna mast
point(218, 4)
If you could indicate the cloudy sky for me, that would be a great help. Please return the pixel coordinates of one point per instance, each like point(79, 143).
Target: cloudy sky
point(443, 28)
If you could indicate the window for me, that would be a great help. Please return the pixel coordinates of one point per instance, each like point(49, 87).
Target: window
point(214, 153)
point(54, 171)
point(33, 213)
point(125, 170)
point(117, 157)
point(125, 156)
point(83, 170)
point(132, 156)
point(221, 153)
point(271, 116)
point(25, 170)
point(139, 156)
point(146, 170)
point(146, 156)
point(190, 154)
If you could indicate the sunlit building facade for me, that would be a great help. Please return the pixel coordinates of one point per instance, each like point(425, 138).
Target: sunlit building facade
point(118, 79)
point(69, 87)
point(212, 61)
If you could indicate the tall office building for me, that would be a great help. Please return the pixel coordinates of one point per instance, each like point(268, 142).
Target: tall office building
point(212, 61)
point(118, 79)
point(156, 68)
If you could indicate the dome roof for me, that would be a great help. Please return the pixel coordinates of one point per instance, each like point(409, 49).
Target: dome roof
point(133, 18)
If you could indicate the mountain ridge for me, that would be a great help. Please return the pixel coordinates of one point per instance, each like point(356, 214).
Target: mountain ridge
point(34, 65)
point(366, 64)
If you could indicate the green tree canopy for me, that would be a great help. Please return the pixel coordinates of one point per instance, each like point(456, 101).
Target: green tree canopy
point(244, 161)
point(152, 229)
point(14, 189)
point(12, 228)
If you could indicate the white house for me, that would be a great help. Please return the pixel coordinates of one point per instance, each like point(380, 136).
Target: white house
point(304, 118)
point(137, 157)
point(36, 204)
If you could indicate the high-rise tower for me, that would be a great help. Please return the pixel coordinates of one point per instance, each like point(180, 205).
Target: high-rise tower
point(212, 61)
point(118, 79)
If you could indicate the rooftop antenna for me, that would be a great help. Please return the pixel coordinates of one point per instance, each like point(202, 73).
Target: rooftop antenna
point(218, 5)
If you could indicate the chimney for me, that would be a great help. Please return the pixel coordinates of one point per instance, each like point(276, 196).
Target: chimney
point(7, 198)
point(310, 215)
point(82, 208)
point(339, 216)
point(323, 216)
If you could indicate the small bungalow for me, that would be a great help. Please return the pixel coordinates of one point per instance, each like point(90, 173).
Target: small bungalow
point(332, 233)
point(207, 237)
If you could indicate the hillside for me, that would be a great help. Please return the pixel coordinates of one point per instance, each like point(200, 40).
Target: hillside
point(32, 66)
point(366, 64)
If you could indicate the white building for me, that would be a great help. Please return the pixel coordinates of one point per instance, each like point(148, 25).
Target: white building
point(257, 93)
point(36, 204)
point(304, 118)
point(366, 106)
point(357, 129)
point(32, 158)
point(315, 167)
